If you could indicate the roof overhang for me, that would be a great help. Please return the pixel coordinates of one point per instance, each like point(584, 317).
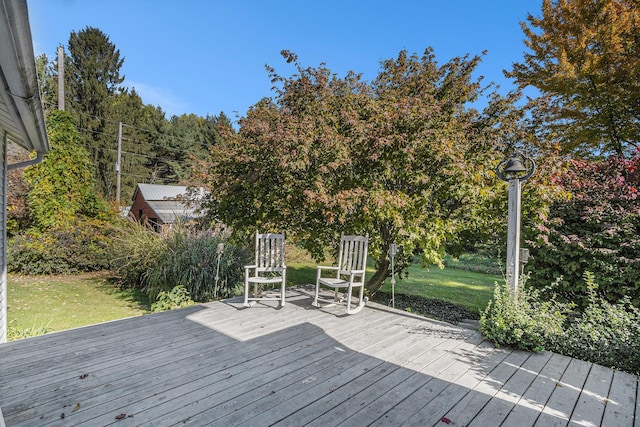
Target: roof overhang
point(21, 114)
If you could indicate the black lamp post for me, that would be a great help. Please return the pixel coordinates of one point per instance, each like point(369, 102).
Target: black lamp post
point(514, 169)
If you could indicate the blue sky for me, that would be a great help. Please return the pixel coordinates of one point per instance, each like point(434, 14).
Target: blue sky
point(208, 56)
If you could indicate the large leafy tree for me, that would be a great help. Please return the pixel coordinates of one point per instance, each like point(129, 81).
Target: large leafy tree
point(584, 59)
point(403, 158)
point(92, 79)
point(62, 185)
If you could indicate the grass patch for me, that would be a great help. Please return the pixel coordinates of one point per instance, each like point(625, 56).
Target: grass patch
point(39, 304)
point(468, 289)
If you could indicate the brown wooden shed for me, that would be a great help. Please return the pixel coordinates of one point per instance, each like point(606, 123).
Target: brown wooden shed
point(163, 205)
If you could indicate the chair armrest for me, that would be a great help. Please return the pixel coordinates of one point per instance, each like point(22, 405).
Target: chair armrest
point(326, 267)
point(352, 272)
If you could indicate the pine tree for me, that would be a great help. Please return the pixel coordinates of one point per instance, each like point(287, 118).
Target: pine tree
point(92, 79)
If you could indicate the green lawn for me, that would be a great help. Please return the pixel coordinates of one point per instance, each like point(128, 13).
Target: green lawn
point(55, 303)
point(52, 303)
point(469, 289)
point(466, 288)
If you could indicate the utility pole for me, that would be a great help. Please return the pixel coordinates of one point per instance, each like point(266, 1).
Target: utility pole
point(60, 78)
point(118, 163)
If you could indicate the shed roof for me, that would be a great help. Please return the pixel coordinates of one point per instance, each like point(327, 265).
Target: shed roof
point(171, 202)
point(21, 114)
point(162, 192)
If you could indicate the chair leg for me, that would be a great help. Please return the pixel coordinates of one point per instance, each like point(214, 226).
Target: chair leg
point(246, 293)
point(361, 302)
point(282, 292)
point(315, 299)
point(349, 290)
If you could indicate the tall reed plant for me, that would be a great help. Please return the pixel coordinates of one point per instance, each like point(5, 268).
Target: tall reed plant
point(200, 261)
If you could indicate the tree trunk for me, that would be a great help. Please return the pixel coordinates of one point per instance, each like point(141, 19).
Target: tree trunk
point(382, 272)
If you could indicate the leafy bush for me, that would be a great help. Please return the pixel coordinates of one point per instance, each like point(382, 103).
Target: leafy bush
point(595, 228)
point(177, 297)
point(79, 247)
point(62, 185)
point(521, 319)
point(184, 257)
point(605, 333)
point(475, 262)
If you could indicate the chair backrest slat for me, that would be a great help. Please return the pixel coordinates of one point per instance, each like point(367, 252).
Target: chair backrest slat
point(270, 251)
point(352, 254)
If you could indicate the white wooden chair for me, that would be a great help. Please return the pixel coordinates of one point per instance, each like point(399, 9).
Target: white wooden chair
point(349, 273)
point(269, 268)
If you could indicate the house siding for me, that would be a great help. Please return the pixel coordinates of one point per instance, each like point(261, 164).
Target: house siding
point(3, 239)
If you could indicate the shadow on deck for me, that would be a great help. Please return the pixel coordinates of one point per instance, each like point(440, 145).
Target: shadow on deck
point(221, 364)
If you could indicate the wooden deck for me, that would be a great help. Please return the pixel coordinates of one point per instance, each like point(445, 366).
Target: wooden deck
point(221, 364)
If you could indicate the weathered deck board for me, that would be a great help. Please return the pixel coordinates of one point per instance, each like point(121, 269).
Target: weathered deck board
point(221, 364)
point(560, 405)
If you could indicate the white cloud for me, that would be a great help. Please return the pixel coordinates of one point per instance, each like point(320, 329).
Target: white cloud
point(161, 97)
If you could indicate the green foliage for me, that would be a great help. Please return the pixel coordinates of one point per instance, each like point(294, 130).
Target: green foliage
point(78, 247)
point(330, 155)
point(583, 58)
point(191, 260)
point(17, 333)
point(595, 227)
point(475, 262)
point(92, 80)
point(62, 184)
point(145, 260)
point(521, 319)
point(604, 333)
point(136, 250)
point(177, 297)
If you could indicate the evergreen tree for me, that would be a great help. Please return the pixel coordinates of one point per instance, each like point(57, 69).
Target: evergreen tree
point(92, 79)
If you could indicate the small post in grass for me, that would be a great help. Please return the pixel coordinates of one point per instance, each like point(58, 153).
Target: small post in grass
point(219, 252)
point(514, 170)
point(393, 250)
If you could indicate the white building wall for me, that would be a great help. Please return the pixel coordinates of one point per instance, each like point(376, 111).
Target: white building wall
point(3, 239)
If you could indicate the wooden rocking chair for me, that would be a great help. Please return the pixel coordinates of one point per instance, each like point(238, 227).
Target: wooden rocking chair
point(350, 272)
point(269, 268)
